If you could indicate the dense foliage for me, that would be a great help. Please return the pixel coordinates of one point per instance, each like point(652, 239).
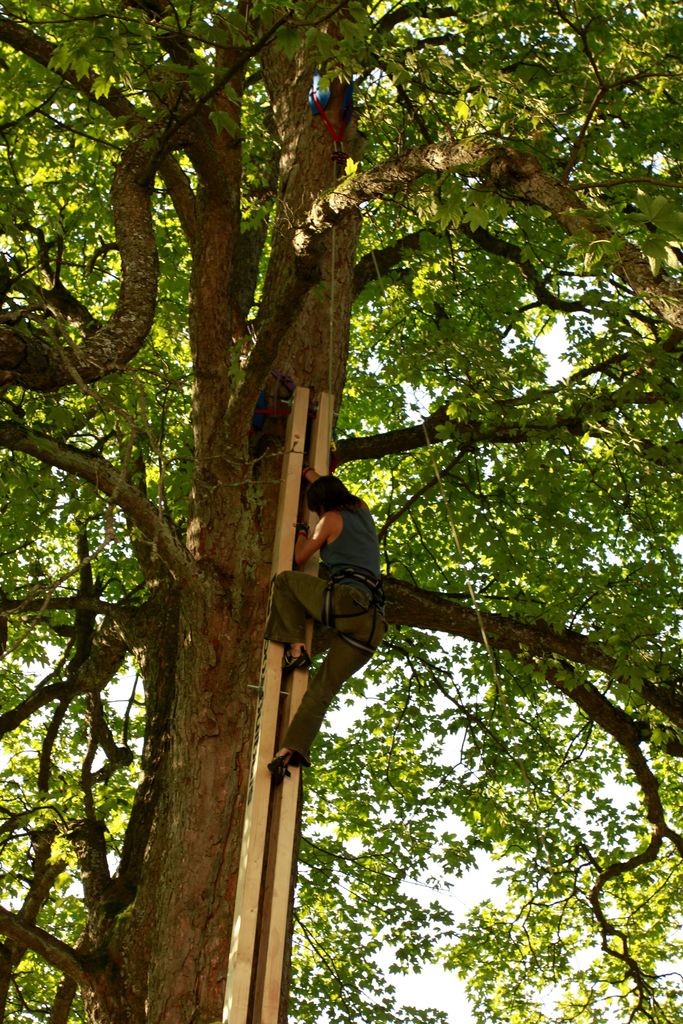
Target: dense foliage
point(509, 380)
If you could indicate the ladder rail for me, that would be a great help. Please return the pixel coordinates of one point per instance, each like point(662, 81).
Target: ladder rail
point(263, 898)
point(238, 988)
point(273, 945)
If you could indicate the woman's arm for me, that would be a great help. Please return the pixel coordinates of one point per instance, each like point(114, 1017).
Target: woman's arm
point(327, 529)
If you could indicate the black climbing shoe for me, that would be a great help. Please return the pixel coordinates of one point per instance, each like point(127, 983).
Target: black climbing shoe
point(289, 663)
point(278, 769)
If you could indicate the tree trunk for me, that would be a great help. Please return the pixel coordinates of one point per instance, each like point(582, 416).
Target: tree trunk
point(314, 349)
point(167, 954)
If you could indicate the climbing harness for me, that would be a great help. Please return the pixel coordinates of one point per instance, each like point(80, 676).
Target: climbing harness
point(281, 403)
point(372, 584)
point(269, 407)
point(318, 100)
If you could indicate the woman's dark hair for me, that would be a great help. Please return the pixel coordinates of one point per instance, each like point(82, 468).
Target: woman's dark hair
point(328, 493)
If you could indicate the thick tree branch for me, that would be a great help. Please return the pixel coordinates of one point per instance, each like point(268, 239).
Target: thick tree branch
point(156, 639)
point(577, 421)
point(624, 730)
point(115, 103)
point(513, 253)
point(49, 739)
point(183, 198)
point(408, 11)
point(391, 442)
point(45, 870)
point(387, 179)
point(92, 672)
point(54, 951)
point(408, 605)
point(102, 475)
point(42, 363)
point(61, 1007)
point(42, 52)
point(521, 175)
point(509, 171)
point(378, 262)
point(87, 838)
point(37, 605)
point(57, 298)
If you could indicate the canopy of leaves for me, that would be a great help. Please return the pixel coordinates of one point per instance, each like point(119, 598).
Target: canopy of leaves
point(511, 409)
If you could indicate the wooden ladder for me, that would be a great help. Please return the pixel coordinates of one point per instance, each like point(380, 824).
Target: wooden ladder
point(263, 899)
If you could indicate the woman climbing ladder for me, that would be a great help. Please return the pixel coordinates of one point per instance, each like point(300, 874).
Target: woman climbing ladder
point(347, 597)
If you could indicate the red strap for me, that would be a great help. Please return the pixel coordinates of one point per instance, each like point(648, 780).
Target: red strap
point(338, 137)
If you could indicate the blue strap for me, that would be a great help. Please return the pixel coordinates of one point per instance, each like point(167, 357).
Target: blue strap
point(321, 95)
point(318, 101)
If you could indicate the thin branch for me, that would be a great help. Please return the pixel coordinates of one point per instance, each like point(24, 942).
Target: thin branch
point(42, 52)
point(109, 651)
point(521, 175)
point(509, 251)
point(378, 262)
point(419, 493)
point(579, 140)
point(61, 1007)
point(580, 186)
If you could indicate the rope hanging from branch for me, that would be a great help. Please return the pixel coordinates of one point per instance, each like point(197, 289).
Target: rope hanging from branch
point(318, 100)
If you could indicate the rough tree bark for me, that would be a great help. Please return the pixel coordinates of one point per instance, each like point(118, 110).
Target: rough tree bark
point(155, 947)
point(164, 958)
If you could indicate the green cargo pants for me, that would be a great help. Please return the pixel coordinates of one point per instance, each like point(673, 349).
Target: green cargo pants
point(297, 595)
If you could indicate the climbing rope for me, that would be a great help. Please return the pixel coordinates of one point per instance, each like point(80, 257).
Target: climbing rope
point(475, 604)
point(456, 539)
point(461, 555)
point(318, 100)
point(330, 344)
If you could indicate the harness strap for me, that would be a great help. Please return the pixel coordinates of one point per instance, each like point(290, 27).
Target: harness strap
point(337, 136)
point(368, 579)
point(373, 584)
point(358, 643)
point(318, 107)
point(327, 617)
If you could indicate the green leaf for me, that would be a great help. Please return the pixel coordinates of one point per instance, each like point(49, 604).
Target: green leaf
point(223, 122)
point(288, 40)
point(462, 110)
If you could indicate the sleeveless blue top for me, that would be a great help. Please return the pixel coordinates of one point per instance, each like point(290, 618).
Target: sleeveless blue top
point(356, 546)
